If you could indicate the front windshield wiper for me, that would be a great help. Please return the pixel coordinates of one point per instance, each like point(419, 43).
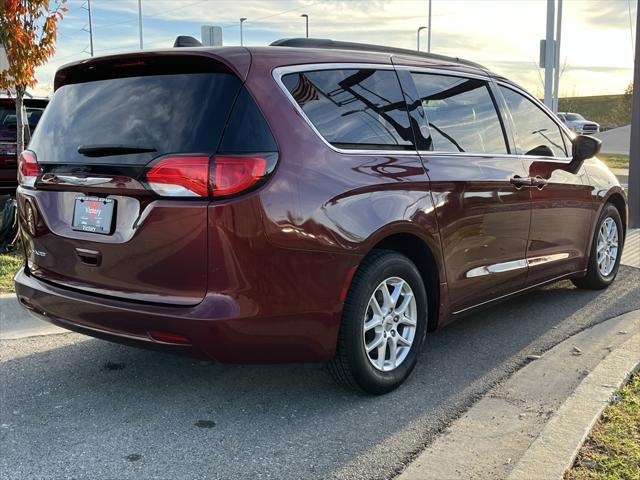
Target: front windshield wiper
point(110, 150)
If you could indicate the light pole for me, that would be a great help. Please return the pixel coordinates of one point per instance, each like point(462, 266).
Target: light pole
point(549, 59)
point(634, 154)
point(241, 22)
point(556, 79)
point(418, 37)
point(306, 22)
point(429, 27)
point(90, 27)
point(140, 21)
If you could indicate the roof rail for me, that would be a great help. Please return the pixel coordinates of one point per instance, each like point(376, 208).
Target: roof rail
point(332, 44)
point(186, 41)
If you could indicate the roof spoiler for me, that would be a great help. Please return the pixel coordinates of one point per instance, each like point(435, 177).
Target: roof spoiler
point(186, 41)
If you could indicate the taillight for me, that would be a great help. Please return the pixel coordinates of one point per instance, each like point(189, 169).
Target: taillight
point(235, 174)
point(183, 176)
point(28, 169)
point(200, 176)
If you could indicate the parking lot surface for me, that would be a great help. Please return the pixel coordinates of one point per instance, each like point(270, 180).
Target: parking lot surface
point(75, 407)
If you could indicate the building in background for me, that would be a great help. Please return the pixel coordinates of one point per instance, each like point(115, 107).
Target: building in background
point(211, 35)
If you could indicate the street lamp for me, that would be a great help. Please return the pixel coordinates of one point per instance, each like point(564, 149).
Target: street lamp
point(140, 21)
point(429, 23)
point(306, 20)
point(241, 22)
point(418, 36)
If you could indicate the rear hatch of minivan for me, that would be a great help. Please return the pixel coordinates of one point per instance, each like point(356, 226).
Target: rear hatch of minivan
point(115, 183)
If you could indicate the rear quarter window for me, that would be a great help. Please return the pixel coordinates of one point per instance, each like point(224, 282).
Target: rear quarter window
point(354, 108)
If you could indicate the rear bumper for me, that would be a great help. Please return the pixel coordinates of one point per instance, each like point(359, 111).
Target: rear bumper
point(215, 328)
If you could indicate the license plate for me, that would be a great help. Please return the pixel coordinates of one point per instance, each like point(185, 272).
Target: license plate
point(92, 214)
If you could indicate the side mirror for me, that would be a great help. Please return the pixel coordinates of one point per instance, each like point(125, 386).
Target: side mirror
point(584, 147)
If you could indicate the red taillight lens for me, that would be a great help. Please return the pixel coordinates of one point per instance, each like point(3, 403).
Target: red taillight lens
point(28, 169)
point(183, 176)
point(232, 175)
point(168, 337)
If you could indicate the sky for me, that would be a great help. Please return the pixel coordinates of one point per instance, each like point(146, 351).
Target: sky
point(596, 45)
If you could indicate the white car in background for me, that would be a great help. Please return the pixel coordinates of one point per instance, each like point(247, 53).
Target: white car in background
point(578, 123)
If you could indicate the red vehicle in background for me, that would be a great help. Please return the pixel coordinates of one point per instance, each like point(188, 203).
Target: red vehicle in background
point(34, 108)
point(8, 132)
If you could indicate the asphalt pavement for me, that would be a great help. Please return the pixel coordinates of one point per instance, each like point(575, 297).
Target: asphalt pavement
point(75, 407)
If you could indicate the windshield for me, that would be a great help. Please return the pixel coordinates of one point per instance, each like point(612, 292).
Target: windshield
point(572, 117)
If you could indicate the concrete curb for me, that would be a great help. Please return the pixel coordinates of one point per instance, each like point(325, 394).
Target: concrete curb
point(16, 322)
point(493, 436)
point(557, 446)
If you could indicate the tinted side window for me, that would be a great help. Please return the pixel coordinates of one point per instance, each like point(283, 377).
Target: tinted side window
point(536, 134)
point(461, 113)
point(354, 108)
point(247, 130)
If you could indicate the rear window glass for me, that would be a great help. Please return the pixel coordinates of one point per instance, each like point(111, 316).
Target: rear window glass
point(179, 113)
point(353, 108)
point(461, 113)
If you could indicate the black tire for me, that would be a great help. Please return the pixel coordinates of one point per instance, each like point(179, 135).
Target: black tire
point(351, 365)
point(594, 279)
point(8, 223)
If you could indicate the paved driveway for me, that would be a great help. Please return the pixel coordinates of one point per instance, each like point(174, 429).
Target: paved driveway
point(77, 407)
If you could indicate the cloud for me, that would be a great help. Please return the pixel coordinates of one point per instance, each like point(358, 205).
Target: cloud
point(502, 35)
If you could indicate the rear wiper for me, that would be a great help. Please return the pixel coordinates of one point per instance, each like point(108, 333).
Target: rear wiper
point(110, 150)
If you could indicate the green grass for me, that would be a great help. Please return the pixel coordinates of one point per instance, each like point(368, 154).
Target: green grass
point(614, 160)
point(9, 265)
point(612, 450)
point(607, 110)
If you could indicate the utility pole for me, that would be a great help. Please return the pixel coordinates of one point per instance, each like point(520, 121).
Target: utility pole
point(306, 20)
point(140, 21)
point(429, 27)
point(548, 56)
point(418, 37)
point(241, 22)
point(634, 154)
point(556, 80)
point(90, 28)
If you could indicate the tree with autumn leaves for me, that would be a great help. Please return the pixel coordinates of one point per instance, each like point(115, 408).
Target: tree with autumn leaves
point(28, 30)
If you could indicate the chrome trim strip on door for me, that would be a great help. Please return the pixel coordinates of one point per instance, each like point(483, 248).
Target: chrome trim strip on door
point(496, 268)
point(541, 260)
point(515, 265)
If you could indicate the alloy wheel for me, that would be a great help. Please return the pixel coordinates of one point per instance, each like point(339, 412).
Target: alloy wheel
point(607, 247)
point(390, 324)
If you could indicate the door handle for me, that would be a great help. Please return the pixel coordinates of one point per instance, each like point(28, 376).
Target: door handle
point(538, 181)
point(520, 182)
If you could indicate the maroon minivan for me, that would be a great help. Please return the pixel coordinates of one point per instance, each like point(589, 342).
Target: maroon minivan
point(307, 201)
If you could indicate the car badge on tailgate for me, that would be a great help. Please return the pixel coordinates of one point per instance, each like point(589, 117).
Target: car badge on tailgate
point(83, 180)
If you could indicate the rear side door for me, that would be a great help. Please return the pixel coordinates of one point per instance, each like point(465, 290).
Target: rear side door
point(561, 214)
point(481, 202)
